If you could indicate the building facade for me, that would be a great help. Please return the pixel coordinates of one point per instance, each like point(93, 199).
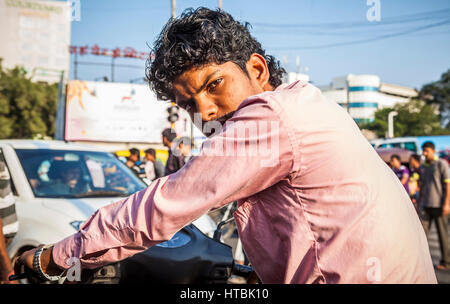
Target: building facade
point(36, 35)
point(363, 95)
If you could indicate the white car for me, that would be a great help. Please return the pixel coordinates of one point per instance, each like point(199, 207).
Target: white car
point(50, 204)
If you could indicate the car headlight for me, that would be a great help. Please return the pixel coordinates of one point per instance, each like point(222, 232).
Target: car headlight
point(76, 224)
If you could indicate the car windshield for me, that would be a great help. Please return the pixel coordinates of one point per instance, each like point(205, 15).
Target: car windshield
point(76, 174)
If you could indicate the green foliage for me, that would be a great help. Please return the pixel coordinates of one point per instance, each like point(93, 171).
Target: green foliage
point(415, 118)
point(438, 93)
point(27, 109)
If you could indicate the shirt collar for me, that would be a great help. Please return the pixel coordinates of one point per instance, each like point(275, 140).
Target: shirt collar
point(426, 164)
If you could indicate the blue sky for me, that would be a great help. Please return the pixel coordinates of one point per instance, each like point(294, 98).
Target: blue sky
point(287, 29)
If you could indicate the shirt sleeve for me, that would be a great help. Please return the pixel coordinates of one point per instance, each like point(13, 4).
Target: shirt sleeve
point(444, 171)
point(252, 152)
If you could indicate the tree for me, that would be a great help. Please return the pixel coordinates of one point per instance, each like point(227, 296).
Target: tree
point(438, 93)
point(415, 118)
point(27, 109)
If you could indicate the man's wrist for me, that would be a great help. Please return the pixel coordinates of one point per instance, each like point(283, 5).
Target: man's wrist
point(48, 264)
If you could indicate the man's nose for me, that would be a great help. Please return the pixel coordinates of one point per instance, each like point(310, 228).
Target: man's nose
point(207, 108)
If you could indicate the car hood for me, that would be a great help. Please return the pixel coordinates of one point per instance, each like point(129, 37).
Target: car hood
point(78, 208)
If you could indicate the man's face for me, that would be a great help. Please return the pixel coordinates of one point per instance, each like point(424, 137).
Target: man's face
point(71, 175)
point(428, 153)
point(150, 157)
point(413, 163)
point(134, 157)
point(166, 142)
point(215, 90)
point(185, 149)
point(395, 163)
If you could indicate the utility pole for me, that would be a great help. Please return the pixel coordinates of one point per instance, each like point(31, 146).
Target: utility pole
point(220, 4)
point(174, 9)
point(347, 84)
point(391, 123)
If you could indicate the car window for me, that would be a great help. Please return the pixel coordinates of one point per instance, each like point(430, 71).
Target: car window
point(76, 174)
point(411, 146)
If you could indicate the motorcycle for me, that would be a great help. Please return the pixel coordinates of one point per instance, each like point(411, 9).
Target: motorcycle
point(189, 257)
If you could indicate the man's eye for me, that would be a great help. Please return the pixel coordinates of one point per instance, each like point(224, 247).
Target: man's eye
point(213, 85)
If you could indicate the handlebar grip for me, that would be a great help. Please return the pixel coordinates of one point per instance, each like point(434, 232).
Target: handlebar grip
point(242, 270)
point(19, 276)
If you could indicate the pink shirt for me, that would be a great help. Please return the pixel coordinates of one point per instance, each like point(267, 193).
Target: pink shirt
point(316, 204)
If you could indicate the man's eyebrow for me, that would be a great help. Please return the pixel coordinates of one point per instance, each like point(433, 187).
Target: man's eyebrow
point(205, 82)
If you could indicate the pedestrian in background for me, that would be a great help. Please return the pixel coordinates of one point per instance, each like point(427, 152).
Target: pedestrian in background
point(8, 222)
point(184, 148)
point(135, 164)
point(434, 199)
point(153, 167)
point(414, 176)
point(401, 171)
point(174, 161)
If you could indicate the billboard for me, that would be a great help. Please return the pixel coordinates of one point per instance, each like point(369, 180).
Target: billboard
point(116, 112)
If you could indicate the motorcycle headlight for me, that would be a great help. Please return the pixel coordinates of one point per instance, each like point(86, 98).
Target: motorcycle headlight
point(76, 224)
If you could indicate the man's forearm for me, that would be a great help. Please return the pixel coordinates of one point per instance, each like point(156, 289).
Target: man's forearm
point(447, 194)
point(5, 262)
point(117, 231)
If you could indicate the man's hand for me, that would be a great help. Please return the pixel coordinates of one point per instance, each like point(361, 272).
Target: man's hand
point(47, 264)
point(446, 209)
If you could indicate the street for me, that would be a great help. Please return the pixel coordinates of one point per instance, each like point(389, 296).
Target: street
point(433, 241)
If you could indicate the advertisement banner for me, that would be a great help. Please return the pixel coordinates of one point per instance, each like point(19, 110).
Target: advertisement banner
point(116, 112)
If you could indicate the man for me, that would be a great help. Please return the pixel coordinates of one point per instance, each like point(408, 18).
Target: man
point(8, 222)
point(434, 198)
point(134, 163)
point(400, 170)
point(153, 168)
point(66, 179)
point(316, 204)
point(414, 168)
point(184, 148)
point(174, 160)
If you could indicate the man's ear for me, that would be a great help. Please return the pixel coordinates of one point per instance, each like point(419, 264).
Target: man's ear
point(259, 71)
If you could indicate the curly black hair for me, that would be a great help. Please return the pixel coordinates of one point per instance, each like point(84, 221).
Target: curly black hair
point(199, 37)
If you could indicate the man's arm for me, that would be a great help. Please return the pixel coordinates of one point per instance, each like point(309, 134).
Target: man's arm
point(446, 179)
point(222, 173)
point(405, 178)
point(446, 206)
point(7, 211)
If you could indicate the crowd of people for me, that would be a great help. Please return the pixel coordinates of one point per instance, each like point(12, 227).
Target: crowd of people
point(428, 185)
point(150, 168)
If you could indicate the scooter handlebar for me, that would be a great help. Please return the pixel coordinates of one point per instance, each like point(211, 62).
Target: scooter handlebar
point(241, 270)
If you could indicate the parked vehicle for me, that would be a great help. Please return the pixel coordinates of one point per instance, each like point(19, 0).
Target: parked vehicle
point(386, 153)
point(445, 154)
point(412, 143)
point(58, 185)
